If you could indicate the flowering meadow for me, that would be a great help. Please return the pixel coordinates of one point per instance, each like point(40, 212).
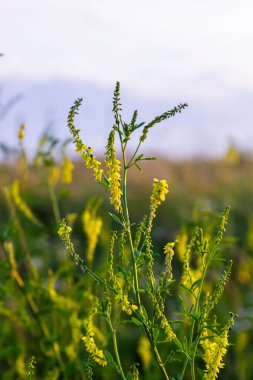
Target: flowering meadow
point(124, 266)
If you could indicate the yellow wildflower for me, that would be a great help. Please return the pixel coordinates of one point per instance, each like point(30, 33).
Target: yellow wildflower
point(54, 174)
point(67, 169)
point(144, 351)
point(92, 225)
point(21, 204)
point(20, 366)
point(91, 161)
point(160, 189)
point(90, 344)
point(86, 152)
point(113, 172)
point(215, 349)
point(126, 305)
point(167, 328)
point(13, 264)
point(71, 218)
point(182, 245)
point(21, 133)
point(64, 232)
point(169, 253)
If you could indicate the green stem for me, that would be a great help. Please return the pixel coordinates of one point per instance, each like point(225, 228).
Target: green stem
point(133, 157)
point(80, 262)
point(54, 202)
point(196, 311)
point(184, 368)
point(160, 363)
point(128, 228)
point(115, 346)
point(135, 271)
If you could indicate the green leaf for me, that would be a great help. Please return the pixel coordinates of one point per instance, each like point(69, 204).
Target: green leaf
point(195, 284)
point(185, 288)
point(136, 321)
point(137, 126)
point(170, 358)
point(116, 218)
point(148, 158)
point(139, 157)
point(193, 317)
point(138, 167)
point(125, 322)
point(156, 334)
point(110, 360)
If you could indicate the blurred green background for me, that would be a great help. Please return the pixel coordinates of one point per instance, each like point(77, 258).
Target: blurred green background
point(199, 191)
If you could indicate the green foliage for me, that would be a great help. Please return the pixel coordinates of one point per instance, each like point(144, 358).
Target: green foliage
point(87, 324)
point(122, 281)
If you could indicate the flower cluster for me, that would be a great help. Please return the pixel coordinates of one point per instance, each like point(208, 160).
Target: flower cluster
point(144, 351)
point(167, 328)
point(21, 132)
point(64, 232)
point(160, 189)
point(127, 306)
point(222, 225)
point(8, 246)
point(219, 288)
point(169, 253)
point(21, 204)
point(214, 351)
point(92, 225)
point(86, 152)
point(67, 170)
point(54, 174)
point(114, 169)
point(90, 345)
point(91, 162)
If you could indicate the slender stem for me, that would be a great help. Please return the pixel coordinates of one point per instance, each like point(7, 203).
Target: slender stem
point(128, 228)
point(136, 151)
point(160, 363)
point(184, 368)
point(80, 262)
point(196, 310)
point(135, 271)
point(115, 346)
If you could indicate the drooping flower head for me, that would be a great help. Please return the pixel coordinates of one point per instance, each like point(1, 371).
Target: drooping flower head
point(86, 152)
point(160, 189)
point(89, 342)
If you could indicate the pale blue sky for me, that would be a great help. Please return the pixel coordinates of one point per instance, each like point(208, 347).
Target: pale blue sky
point(162, 52)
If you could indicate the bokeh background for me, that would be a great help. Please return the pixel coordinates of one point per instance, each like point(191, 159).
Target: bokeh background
point(163, 53)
